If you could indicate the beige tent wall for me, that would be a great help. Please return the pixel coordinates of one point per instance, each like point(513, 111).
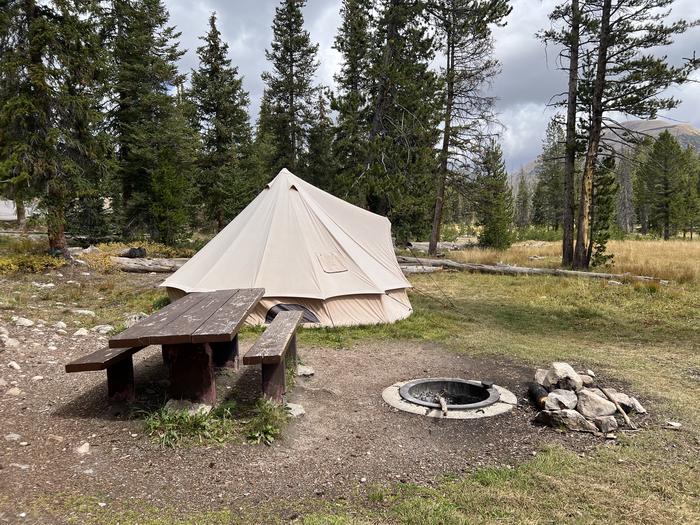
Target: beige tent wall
point(351, 310)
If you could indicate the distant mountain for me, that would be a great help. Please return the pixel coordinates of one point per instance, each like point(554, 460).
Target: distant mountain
point(634, 130)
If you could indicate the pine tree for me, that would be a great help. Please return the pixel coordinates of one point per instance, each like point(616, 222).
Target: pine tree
point(464, 37)
point(620, 74)
point(547, 202)
point(494, 202)
point(289, 85)
point(397, 179)
point(222, 117)
point(50, 69)
point(319, 162)
point(661, 180)
point(353, 42)
point(153, 137)
point(604, 196)
point(264, 149)
point(522, 202)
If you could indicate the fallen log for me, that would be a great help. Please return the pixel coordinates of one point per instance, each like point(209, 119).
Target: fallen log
point(506, 269)
point(419, 269)
point(126, 264)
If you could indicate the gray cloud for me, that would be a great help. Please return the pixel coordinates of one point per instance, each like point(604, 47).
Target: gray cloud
point(528, 80)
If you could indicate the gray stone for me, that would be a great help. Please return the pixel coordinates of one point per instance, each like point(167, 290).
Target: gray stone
point(14, 365)
point(606, 424)
point(3, 331)
point(103, 329)
point(132, 319)
point(83, 311)
point(559, 399)
point(183, 405)
point(37, 378)
point(540, 374)
point(23, 321)
point(637, 406)
point(592, 405)
point(12, 437)
point(81, 332)
point(590, 372)
point(304, 371)
point(562, 375)
point(568, 419)
point(614, 283)
point(14, 391)
point(587, 380)
point(295, 410)
point(2, 382)
point(83, 449)
point(60, 325)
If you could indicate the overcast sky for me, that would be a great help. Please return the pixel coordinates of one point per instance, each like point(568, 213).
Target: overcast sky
point(528, 80)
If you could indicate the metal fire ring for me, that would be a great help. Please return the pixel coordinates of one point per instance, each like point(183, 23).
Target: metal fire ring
point(494, 395)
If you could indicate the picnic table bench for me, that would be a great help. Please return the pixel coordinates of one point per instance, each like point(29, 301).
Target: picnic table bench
point(276, 348)
point(197, 333)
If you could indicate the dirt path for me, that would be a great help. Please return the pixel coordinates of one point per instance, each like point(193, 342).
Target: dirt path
point(348, 439)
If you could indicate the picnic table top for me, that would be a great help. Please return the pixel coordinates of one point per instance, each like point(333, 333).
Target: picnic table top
point(200, 317)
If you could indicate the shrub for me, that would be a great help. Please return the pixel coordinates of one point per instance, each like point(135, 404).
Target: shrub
point(29, 263)
point(171, 428)
point(267, 423)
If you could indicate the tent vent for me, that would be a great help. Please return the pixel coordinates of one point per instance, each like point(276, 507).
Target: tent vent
point(331, 262)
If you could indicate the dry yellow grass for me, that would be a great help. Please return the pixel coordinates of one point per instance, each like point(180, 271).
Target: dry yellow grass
point(675, 260)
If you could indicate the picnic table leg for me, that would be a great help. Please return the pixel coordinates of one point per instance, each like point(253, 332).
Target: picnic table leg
point(273, 381)
point(191, 372)
point(120, 380)
point(225, 355)
point(292, 353)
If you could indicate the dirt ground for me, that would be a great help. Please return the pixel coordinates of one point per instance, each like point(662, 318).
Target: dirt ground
point(348, 440)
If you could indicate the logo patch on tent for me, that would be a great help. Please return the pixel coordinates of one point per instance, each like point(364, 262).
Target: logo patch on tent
point(331, 262)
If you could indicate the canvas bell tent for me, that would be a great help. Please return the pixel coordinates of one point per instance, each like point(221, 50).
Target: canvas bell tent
point(310, 251)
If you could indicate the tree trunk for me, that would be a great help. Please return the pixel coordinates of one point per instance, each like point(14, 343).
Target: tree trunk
point(444, 155)
point(56, 218)
point(21, 214)
point(219, 221)
point(567, 257)
point(581, 260)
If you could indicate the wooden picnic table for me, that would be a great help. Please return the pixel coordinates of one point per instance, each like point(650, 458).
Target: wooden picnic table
point(197, 332)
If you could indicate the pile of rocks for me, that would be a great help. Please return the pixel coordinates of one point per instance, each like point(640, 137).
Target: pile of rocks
point(571, 400)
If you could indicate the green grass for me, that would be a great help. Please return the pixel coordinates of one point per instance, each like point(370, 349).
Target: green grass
point(171, 428)
point(267, 422)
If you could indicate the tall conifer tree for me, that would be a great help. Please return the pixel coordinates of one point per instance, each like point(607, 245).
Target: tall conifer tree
point(354, 43)
point(221, 112)
point(494, 200)
point(154, 144)
point(289, 84)
point(405, 107)
point(50, 141)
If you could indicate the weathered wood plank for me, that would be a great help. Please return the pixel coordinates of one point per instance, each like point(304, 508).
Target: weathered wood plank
point(191, 373)
point(181, 327)
point(101, 359)
point(140, 333)
point(274, 379)
point(224, 324)
point(273, 343)
point(120, 380)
